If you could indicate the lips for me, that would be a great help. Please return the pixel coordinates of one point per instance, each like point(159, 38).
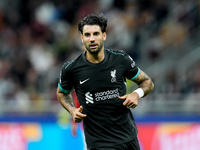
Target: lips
point(93, 46)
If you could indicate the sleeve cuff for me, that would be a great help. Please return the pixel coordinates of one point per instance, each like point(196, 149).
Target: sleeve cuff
point(63, 90)
point(135, 75)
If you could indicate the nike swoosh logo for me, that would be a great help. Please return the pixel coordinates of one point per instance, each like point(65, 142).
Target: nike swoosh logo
point(81, 82)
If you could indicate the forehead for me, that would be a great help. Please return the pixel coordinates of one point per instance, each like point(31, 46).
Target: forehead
point(91, 28)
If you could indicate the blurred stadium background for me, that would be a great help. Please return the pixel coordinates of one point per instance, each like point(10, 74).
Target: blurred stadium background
point(37, 37)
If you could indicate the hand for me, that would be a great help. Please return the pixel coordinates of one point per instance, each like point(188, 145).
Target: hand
point(131, 100)
point(77, 114)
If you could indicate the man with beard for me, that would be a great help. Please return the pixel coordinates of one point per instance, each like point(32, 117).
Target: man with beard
point(99, 76)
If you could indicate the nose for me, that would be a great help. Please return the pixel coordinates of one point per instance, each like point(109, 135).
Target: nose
point(92, 39)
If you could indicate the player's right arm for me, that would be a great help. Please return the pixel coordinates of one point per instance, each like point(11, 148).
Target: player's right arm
point(67, 102)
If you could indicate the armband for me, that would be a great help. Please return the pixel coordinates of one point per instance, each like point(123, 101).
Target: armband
point(140, 92)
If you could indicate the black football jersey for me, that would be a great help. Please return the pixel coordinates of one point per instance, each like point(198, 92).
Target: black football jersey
point(98, 86)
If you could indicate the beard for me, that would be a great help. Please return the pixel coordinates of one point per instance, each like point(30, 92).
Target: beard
point(94, 50)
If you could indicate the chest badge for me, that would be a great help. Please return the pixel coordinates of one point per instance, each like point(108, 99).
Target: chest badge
point(113, 76)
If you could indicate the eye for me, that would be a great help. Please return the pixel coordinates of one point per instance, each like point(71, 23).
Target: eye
point(87, 34)
point(96, 33)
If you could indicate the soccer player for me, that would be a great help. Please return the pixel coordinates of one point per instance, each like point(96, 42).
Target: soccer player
point(99, 76)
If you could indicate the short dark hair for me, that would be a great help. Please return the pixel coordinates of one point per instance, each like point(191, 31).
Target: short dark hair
point(93, 19)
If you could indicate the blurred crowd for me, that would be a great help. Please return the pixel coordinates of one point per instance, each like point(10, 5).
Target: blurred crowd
point(37, 37)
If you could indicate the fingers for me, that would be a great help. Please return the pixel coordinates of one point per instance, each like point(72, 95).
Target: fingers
point(129, 102)
point(131, 105)
point(80, 109)
point(81, 115)
point(122, 97)
point(125, 103)
point(78, 115)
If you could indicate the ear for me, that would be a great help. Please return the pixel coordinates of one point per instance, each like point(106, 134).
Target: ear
point(104, 36)
point(82, 38)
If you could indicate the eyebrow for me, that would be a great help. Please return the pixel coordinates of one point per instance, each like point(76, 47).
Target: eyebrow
point(96, 32)
point(88, 33)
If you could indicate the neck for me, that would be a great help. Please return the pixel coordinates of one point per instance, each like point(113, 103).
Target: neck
point(95, 58)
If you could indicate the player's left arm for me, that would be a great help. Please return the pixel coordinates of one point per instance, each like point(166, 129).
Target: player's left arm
point(144, 82)
point(145, 86)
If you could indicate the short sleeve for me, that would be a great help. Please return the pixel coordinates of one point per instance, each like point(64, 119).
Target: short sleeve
point(131, 70)
point(65, 79)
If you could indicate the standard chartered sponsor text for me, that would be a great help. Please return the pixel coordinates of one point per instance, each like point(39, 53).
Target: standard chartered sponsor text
point(109, 94)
